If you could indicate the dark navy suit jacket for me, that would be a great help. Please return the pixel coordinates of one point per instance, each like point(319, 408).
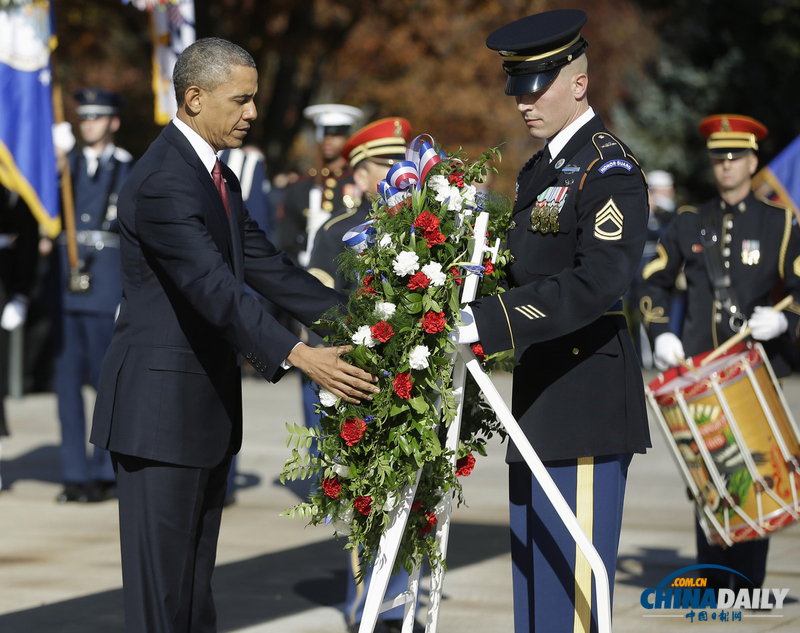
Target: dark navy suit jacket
point(170, 389)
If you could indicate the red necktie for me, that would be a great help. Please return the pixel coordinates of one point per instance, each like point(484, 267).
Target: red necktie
point(219, 181)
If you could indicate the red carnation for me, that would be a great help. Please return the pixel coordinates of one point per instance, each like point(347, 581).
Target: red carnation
point(353, 430)
point(456, 276)
point(402, 385)
point(465, 465)
point(382, 331)
point(416, 505)
point(432, 520)
point(427, 221)
point(434, 238)
point(477, 349)
point(418, 280)
point(456, 179)
point(489, 266)
point(363, 505)
point(332, 487)
point(433, 322)
point(368, 279)
point(365, 290)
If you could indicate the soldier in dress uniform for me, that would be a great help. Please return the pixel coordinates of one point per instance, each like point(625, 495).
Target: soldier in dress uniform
point(745, 247)
point(86, 314)
point(308, 203)
point(370, 152)
point(577, 235)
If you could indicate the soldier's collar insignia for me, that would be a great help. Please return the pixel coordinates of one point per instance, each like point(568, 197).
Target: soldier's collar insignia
point(560, 163)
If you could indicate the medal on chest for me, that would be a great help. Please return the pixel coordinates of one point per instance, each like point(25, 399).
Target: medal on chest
point(544, 213)
point(751, 252)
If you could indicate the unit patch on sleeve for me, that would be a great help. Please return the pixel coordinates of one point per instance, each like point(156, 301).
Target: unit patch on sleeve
point(617, 162)
point(608, 222)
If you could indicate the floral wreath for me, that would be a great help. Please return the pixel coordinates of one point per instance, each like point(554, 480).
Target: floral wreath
point(408, 263)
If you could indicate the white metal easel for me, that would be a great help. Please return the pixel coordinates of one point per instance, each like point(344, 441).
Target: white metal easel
point(376, 601)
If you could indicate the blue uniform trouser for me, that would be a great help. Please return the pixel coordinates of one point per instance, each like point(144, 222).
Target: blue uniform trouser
point(85, 337)
point(553, 593)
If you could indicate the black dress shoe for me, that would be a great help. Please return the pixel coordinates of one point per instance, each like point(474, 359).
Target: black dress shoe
point(72, 492)
point(98, 491)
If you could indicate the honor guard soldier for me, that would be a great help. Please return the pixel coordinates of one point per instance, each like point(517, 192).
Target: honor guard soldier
point(734, 250)
point(309, 203)
point(370, 152)
point(86, 315)
point(577, 235)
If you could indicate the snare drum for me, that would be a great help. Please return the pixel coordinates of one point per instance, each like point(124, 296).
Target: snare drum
point(734, 440)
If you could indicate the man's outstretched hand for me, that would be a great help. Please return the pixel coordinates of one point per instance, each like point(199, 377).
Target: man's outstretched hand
point(324, 367)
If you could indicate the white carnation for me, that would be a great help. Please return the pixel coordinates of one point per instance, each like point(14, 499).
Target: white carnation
point(386, 241)
point(469, 192)
point(363, 336)
point(455, 199)
point(384, 310)
point(418, 358)
point(440, 185)
point(433, 271)
point(341, 522)
point(341, 470)
point(326, 398)
point(406, 263)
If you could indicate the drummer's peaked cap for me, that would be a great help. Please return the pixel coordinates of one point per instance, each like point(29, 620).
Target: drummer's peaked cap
point(535, 48)
point(731, 135)
point(385, 140)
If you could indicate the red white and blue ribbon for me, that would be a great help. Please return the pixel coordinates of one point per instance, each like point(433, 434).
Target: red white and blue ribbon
point(360, 237)
point(421, 156)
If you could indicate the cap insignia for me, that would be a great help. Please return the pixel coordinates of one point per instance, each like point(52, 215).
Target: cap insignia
point(398, 129)
point(725, 125)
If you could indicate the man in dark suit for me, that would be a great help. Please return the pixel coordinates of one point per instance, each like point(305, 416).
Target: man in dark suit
point(169, 405)
point(578, 230)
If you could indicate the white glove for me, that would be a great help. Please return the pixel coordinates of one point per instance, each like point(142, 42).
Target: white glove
point(766, 324)
point(667, 350)
point(63, 138)
point(467, 333)
point(15, 313)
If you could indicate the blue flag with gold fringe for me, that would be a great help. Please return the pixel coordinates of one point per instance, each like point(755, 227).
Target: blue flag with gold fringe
point(27, 157)
point(780, 180)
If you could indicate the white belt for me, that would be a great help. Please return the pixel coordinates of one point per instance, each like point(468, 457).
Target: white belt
point(98, 239)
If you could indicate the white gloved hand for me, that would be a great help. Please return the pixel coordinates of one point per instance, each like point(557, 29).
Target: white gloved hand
point(467, 333)
point(63, 138)
point(15, 313)
point(667, 349)
point(766, 324)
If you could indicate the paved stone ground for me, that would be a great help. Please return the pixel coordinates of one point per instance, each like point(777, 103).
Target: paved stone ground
point(59, 564)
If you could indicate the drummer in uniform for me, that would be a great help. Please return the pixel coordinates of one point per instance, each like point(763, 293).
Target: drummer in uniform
point(309, 202)
point(734, 250)
point(577, 236)
point(370, 152)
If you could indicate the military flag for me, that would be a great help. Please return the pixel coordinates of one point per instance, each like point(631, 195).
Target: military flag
point(27, 156)
point(780, 180)
point(172, 29)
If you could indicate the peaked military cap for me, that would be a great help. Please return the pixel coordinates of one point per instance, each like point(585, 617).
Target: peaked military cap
point(731, 135)
point(535, 48)
point(97, 102)
point(385, 140)
point(332, 119)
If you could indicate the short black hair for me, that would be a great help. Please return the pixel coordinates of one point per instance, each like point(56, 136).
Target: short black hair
point(207, 64)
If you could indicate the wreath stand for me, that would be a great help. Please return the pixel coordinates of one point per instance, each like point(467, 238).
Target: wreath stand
point(377, 601)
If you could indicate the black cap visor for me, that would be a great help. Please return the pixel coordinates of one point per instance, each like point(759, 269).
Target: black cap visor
point(519, 85)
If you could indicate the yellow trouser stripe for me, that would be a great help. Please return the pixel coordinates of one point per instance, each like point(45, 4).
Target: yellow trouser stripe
point(584, 511)
point(355, 567)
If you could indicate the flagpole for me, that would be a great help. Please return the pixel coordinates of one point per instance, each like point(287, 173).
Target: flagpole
point(67, 198)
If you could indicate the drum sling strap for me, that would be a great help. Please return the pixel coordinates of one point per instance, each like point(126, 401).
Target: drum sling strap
point(718, 275)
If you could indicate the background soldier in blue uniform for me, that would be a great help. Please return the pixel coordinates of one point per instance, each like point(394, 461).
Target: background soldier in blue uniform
point(750, 247)
point(370, 152)
point(577, 235)
point(85, 319)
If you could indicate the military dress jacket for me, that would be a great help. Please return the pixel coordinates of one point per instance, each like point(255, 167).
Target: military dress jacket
point(578, 389)
point(96, 199)
point(328, 245)
point(170, 387)
point(760, 249)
